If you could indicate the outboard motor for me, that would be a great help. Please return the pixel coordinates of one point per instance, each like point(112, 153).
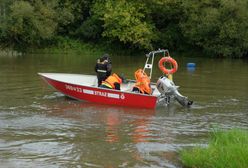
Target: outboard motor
point(168, 90)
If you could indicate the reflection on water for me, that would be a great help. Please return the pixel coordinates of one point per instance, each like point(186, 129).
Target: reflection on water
point(39, 127)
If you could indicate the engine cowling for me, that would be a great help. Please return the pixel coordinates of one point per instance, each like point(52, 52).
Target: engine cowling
point(167, 88)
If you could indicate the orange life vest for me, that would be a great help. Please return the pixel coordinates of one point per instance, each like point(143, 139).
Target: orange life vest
point(142, 82)
point(111, 80)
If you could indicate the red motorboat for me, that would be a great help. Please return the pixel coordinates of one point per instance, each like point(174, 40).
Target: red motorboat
point(84, 87)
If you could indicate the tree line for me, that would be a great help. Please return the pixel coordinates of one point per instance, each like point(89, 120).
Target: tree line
point(216, 27)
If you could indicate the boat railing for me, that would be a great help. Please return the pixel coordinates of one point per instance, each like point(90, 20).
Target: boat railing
point(152, 53)
point(150, 60)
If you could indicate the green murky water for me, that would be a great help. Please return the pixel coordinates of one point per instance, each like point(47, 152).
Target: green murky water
point(39, 127)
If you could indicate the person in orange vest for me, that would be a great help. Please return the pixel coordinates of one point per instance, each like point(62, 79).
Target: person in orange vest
point(112, 82)
point(142, 84)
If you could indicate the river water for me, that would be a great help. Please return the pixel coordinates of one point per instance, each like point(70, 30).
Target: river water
point(39, 127)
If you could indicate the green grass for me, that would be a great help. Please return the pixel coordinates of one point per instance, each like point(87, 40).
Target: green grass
point(227, 149)
point(68, 45)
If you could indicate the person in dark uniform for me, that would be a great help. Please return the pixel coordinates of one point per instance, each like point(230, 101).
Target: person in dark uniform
point(103, 68)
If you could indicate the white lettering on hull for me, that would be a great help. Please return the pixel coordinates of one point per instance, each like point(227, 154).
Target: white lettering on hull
point(116, 96)
point(86, 91)
point(73, 88)
point(94, 92)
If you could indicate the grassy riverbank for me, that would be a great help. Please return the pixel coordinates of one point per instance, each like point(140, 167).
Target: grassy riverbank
point(226, 150)
point(67, 45)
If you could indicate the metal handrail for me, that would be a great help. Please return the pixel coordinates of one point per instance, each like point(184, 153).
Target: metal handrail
point(149, 66)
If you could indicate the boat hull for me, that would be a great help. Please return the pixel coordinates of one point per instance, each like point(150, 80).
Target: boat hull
point(102, 95)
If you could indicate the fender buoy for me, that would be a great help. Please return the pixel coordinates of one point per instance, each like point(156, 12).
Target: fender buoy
point(169, 60)
point(190, 64)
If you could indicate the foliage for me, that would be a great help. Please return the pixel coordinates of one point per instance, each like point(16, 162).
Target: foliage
point(90, 29)
point(72, 14)
point(67, 45)
point(125, 20)
point(226, 149)
point(217, 27)
point(166, 16)
point(29, 23)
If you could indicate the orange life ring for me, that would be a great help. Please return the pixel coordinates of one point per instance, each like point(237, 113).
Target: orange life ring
point(170, 60)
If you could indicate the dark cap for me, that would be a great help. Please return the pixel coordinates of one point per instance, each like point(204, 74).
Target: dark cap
point(102, 59)
point(106, 57)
